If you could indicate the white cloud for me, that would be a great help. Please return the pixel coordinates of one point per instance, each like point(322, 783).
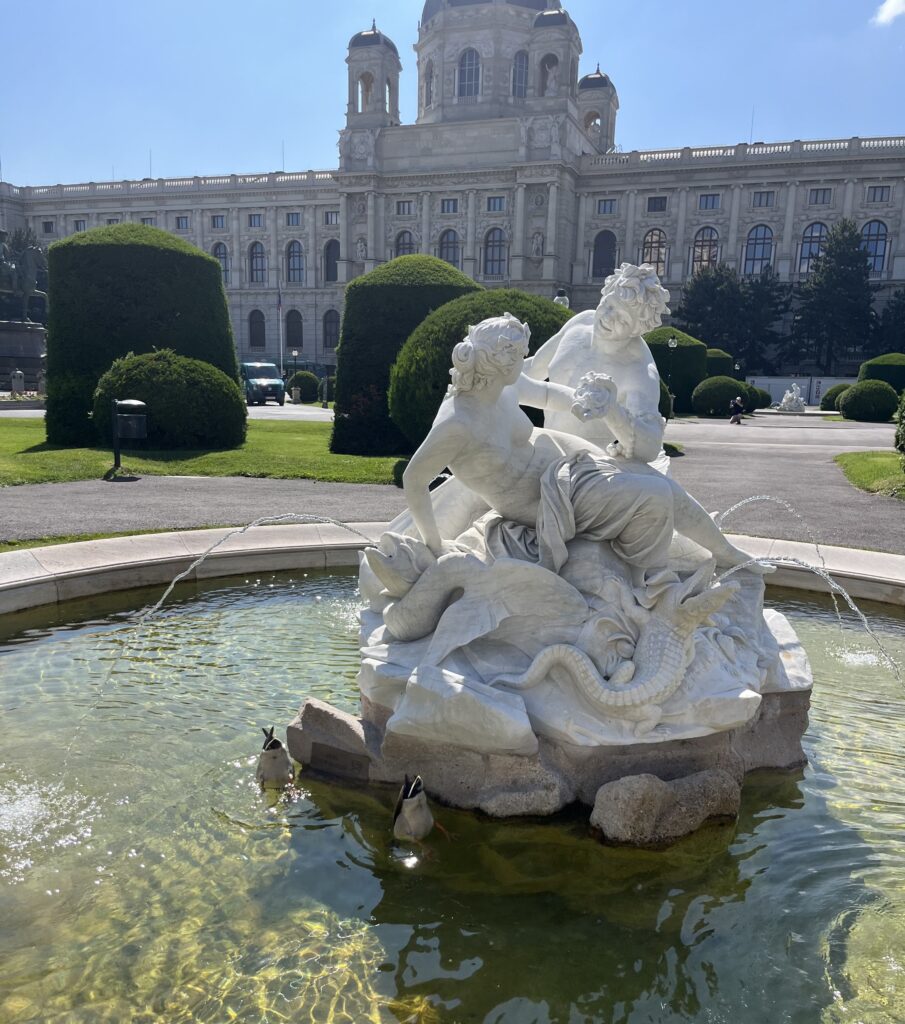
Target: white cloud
point(888, 11)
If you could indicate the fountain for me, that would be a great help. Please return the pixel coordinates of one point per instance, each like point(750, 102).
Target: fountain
point(792, 402)
point(556, 622)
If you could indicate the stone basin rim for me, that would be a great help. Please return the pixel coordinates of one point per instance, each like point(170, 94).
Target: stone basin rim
point(32, 577)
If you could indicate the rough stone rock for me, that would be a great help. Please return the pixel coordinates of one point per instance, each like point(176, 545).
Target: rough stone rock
point(331, 741)
point(773, 738)
point(643, 810)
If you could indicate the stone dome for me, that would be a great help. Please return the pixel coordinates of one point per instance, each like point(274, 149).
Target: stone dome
point(597, 80)
point(372, 37)
point(552, 18)
point(433, 7)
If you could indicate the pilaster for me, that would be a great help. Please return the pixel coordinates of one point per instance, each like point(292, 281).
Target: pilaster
point(517, 249)
point(550, 246)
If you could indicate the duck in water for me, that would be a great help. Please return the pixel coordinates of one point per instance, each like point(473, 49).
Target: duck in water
point(274, 767)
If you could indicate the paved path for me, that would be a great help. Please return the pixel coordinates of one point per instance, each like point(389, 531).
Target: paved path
point(789, 458)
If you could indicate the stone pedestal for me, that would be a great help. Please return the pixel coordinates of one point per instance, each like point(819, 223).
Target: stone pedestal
point(22, 347)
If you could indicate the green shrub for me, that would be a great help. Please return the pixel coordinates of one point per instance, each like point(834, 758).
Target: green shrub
point(191, 404)
point(712, 396)
point(382, 308)
point(126, 288)
point(308, 384)
point(326, 389)
point(900, 429)
point(749, 395)
point(870, 401)
point(399, 468)
point(420, 376)
point(719, 363)
point(764, 398)
point(889, 368)
point(829, 400)
point(683, 367)
point(665, 405)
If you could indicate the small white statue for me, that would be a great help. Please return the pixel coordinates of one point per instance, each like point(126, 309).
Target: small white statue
point(792, 400)
point(361, 250)
point(551, 79)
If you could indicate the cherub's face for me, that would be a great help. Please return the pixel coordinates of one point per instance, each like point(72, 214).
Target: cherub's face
point(615, 325)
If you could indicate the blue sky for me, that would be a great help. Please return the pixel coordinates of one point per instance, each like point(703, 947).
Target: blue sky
point(90, 87)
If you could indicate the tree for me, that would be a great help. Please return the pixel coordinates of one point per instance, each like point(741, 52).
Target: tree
point(836, 311)
point(765, 300)
point(890, 334)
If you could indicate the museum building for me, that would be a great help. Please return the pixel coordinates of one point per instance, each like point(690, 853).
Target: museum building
point(511, 172)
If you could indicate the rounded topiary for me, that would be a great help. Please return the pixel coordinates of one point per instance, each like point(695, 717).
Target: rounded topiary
point(889, 368)
point(900, 429)
point(683, 367)
point(870, 401)
point(719, 363)
point(191, 404)
point(749, 395)
point(420, 375)
point(665, 404)
point(308, 384)
point(764, 398)
point(126, 288)
point(829, 400)
point(712, 396)
point(382, 308)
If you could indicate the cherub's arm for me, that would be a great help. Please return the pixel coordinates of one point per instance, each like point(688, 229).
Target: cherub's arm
point(540, 394)
point(441, 448)
point(637, 424)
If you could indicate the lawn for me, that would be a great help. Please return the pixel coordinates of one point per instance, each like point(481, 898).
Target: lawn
point(281, 451)
point(877, 472)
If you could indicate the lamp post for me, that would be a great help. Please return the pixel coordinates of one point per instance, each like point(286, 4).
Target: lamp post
point(738, 368)
point(295, 355)
point(326, 389)
point(672, 344)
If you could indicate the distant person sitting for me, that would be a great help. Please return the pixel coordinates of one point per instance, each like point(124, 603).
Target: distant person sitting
point(736, 408)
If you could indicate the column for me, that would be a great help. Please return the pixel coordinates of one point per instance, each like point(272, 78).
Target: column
point(343, 268)
point(898, 259)
point(309, 213)
point(848, 198)
point(786, 255)
point(731, 257)
point(678, 263)
point(631, 199)
point(275, 276)
point(371, 261)
point(238, 271)
point(551, 250)
point(517, 243)
point(426, 222)
point(198, 228)
point(469, 263)
point(580, 263)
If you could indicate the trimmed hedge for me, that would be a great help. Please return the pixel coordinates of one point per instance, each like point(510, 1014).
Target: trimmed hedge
point(870, 401)
point(119, 289)
point(712, 396)
point(900, 429)
point(719, 363)
point(308, 384)
point(420, 375)
point(665, 405)
point(382, 308)
point(889, 368)
point(829, 400)
point(191, 404)
point(684, 367)
point(764, 398)
point(326, 388)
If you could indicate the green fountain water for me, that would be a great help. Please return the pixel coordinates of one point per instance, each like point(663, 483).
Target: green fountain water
point(144, 877)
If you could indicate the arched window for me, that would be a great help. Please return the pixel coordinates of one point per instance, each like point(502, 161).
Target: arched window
point(520, 75)
point(257, 264)
point(811, 246)
point(705, 250)
point(758, 249)
point(429, 84)
point(653, 250)
point(331, 260)
point(604, 261)
point(365, 91)
point(405, 243)
point(331, 329)
point(256, 332)
point(449, 247)
point(294, 330)
point(295, 263)
point(221, 254)
point(469, 83)
point(873, 242)
point(495, 253)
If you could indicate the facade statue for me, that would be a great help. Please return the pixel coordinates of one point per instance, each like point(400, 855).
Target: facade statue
point(7, 267)
point(537, 244)
point(361, 250)
point(551, 79)
point(30, 260)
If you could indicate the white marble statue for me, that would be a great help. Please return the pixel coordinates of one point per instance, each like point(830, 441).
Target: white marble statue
point(542, 591)
point(792, 400)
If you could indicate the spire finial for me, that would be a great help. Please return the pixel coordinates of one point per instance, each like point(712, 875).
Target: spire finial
point(598, 67)
point(373, 24)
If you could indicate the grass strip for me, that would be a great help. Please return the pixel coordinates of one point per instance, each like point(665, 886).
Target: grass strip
point(875, 472)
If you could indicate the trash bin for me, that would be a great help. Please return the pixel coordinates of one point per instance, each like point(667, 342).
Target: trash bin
point(130, 423)
point(296, 396)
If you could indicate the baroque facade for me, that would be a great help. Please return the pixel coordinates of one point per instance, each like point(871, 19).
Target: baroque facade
point(510, 172)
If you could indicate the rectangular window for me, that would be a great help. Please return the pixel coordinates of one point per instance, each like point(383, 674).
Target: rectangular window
point(79, 225)
point(47, 226)
point(182, 223)
point(112, 220)
point(331, 217)
point(293, 219)
point(449, 206)
point(878, 193)
point(404, 207)
point(760, 199)
point(218, 221)
point(149, 221)
point(820, 197)
point(496, 204)
point(656, 204)
point(255, 220)
point(606, 206)
point(709, 201)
